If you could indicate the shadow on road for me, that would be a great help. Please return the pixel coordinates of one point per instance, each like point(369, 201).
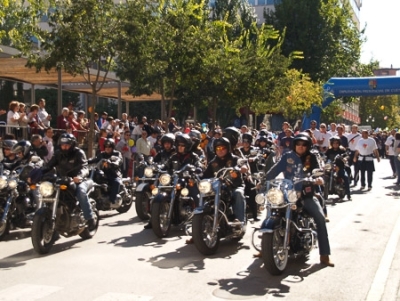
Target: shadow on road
point(19, 259)
point(255, 281)
point(17, 234)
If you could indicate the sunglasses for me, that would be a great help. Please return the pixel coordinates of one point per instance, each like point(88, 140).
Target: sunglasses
point(220, 148)
point(301, 144)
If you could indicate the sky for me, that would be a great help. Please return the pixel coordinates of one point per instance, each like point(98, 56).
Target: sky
point(382, 32)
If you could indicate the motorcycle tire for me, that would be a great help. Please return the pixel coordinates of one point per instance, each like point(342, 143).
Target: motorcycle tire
point(256, 239)
point(86, 234)
point(4, 227)
point(126, 204)
point(42, 235)
point(206, 242)
point(141, 203)
point(271, 244)
point(159, 219)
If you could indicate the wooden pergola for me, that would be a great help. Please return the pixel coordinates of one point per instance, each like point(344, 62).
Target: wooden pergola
point(14, 69)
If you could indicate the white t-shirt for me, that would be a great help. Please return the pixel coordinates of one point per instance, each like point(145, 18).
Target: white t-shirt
point(317, 134)
point(353, 143)
point(323, 140)
point(333, 133)
point(366, 147)
point(390, 143)
point(12, 115)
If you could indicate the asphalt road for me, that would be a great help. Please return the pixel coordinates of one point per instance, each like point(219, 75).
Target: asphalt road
point(125, 262)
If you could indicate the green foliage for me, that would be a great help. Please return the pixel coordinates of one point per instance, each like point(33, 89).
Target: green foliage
point(378, 108)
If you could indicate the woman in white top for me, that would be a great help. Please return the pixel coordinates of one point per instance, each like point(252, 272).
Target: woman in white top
point(14, 117)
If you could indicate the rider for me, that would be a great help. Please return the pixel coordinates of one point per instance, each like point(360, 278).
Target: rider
point(246, 151)
point(195, 135)
point(70, 161)
point(299, 163)
point(331, 153)
point(10, 159)
point(224, 158)
point(112, 169)
point(168, 149)
point(265, 146)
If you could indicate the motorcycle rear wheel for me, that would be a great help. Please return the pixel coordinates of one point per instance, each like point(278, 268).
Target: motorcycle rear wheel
point(141, 203)
point(42, 233)
point(274, 257)
point(205, 241)
point(159, 219)
point(126, 204)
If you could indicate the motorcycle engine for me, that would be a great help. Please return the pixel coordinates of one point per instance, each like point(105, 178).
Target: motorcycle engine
point(186, 208)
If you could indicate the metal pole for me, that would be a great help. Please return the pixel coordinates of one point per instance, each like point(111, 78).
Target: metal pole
point(59, 95)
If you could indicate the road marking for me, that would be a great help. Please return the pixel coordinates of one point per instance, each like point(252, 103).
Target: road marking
point(25, 292)
point(378, 284)
point(122, 297)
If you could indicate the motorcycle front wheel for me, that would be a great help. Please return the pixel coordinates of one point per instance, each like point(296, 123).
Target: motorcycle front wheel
point(4, 226)
point(126, 204)
point(141, 204)
point(159, 218)
point(86, 234)
point(42, 234)
point(274, 256)
point(205, 239)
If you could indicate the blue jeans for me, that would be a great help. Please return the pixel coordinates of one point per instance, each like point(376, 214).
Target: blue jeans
point(239, 203)
point(114, 185)
point(313, 207)
point(83, 199)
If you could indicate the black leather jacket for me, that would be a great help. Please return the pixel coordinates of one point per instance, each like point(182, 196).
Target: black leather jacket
point(71, 164)
point(114, 168)
point(218, 163)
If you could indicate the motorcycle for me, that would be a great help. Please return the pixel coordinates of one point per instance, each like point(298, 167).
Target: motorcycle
point(172, 203)
point(333, 183)
point(59, 212)
point(146, 179)
point(100, 191)
point(17, 204)
point(214, 218)
point(287, 227)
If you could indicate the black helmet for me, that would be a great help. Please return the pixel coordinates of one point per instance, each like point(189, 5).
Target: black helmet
point(66, 138)
point(247, 138)
point(222, 142)
point(303, 136)
point(195, 135)
point(22, 146)
point(266, 139)
point(169, 137)
point(109, 142)
point(9, 143)
point(232, 134)
point(334, 139)
point(184, 139)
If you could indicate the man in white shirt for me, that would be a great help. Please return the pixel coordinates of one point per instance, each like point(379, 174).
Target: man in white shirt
point(42, 113)
point(48, 138)
point(332, 130)
point(366, 149)
point(314, 130)
point(143, 145)
point(352, 139)
point(389, 145)
point(324, 136)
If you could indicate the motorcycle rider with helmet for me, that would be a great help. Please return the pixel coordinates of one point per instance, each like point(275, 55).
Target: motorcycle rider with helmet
point(334, 150)
point(299, 163)
point(112, 170)
point(71, 161)
point(168, 149)
point(225, 158)
point(232, 134)
point(10, 160)
point(195, 135)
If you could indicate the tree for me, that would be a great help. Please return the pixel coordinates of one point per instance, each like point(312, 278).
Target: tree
point(82, 35)
point(324, 31)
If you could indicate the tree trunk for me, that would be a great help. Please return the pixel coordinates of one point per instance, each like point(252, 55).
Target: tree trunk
point(91, 133)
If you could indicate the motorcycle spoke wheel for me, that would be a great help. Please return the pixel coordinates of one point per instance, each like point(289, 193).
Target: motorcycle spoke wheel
point(159, 218)
point(126, 204)
point(205, 239)
point(141, 205)
point(275, 257)
point(42, 233)
point(4, 226)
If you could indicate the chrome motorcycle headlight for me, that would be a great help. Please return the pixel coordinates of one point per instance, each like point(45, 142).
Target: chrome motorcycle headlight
point(3, 182)
point(260, 199)
point(275, 196)
point(154, 191)
point(148, 172)
point(46, 189)
point(292, 196)
point(165, 179)
point(184, 192)
point(12, 184)
point(205, 186)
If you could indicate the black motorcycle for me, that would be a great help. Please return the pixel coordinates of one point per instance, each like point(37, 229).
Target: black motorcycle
point(172, 204)
point(59, 212)
point(100, 191)
point(333, 183)
point(287, 229)
point(214, 218)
